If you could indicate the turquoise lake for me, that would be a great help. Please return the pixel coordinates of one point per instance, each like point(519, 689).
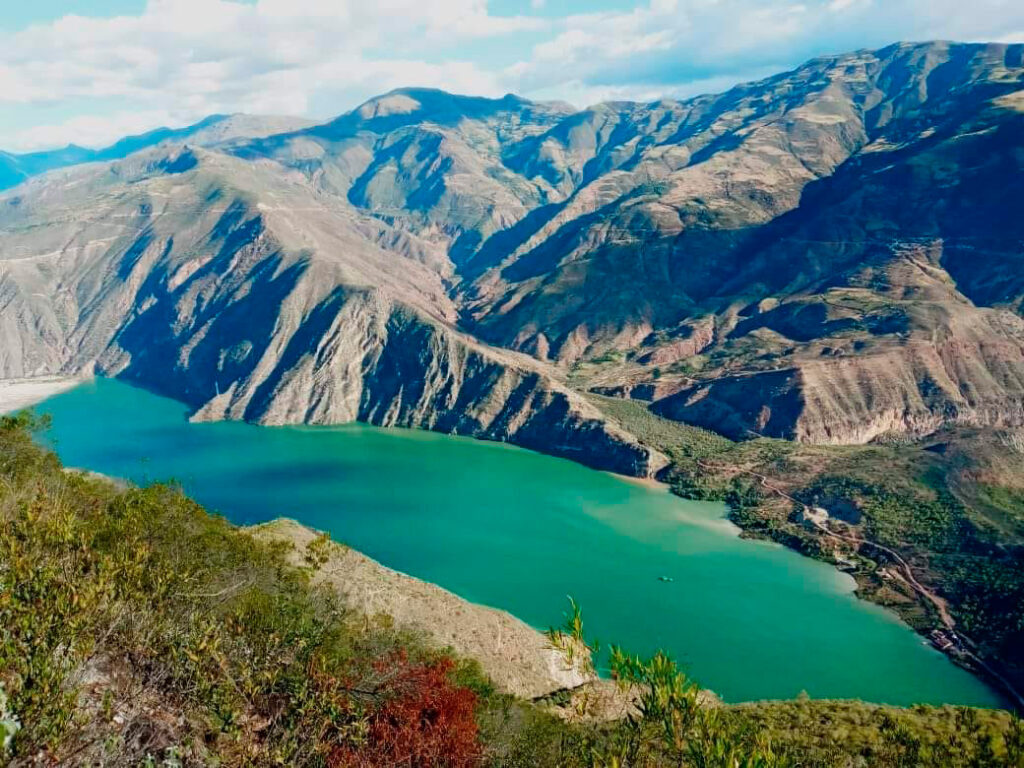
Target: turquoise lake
point(520, 531)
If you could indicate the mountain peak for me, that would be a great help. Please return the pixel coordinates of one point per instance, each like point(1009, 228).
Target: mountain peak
point(434, 101)
point(403, 106)
point(397, 102)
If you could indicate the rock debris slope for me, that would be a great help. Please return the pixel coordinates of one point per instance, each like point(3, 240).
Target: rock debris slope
point(519, 659)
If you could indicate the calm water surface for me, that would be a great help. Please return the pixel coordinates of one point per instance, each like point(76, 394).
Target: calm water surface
point(520, 531)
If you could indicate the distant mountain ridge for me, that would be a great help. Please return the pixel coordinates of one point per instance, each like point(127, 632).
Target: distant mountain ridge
point(15, 168)
point(829, 255)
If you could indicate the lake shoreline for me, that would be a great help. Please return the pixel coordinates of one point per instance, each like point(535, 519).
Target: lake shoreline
point(22, 393)
point(646, 579)
point(646, 482)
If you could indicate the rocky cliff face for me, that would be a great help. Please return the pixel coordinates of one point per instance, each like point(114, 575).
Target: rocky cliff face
point(163, 271)
point(830, 255)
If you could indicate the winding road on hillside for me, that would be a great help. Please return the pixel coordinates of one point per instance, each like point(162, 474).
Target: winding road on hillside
point(907, 576)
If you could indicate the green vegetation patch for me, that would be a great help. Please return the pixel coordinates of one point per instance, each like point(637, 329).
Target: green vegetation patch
point(137, 629)
point(937, 522)
point(134, 626)
point(840, 733)
point(1005, 504)
point(677, 440)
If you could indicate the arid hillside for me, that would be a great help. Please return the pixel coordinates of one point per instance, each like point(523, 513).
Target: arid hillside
point(830, 255)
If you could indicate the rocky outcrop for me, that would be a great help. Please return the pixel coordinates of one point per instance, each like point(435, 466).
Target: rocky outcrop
point(973, 376)
point(689, 341)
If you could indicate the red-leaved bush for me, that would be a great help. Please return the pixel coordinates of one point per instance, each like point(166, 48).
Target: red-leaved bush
point(421, 720)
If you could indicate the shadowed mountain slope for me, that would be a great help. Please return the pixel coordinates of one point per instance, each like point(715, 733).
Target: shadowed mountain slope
point(829, 255)
point(166, 270)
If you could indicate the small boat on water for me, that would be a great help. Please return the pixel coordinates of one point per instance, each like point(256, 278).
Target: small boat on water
point(666, 578)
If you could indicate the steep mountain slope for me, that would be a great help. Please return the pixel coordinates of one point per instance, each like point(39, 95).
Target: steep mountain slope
point(829, 255)
point(243, 292)
point(426, 161)
point(672, 198)
point(907, 313)
point(825, 190)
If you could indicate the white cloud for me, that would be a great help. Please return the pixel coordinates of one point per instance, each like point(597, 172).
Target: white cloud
point(183, 59)
point(91, 130)
point(838, 6)
point(667, 45)
point(180, 60)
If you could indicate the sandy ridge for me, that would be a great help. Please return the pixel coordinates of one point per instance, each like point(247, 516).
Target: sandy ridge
point(518, 658)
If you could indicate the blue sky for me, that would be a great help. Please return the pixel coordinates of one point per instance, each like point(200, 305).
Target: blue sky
point(90, 71)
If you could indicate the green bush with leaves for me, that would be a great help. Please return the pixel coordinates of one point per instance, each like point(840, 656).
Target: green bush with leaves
point(9, 725)
point(669, 720)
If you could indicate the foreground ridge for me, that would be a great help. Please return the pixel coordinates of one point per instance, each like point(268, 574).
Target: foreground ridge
point(141, 628)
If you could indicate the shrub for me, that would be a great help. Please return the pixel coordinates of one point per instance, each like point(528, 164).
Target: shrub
point(133, 624)
point(422, 719)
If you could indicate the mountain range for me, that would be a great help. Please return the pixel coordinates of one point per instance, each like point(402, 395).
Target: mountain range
point(830, 255)
point(15, 168)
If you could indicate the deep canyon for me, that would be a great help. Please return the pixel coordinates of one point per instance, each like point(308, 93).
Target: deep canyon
point(829, 257)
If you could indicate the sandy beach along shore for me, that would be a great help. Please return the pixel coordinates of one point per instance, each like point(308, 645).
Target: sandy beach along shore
point(16, 394)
